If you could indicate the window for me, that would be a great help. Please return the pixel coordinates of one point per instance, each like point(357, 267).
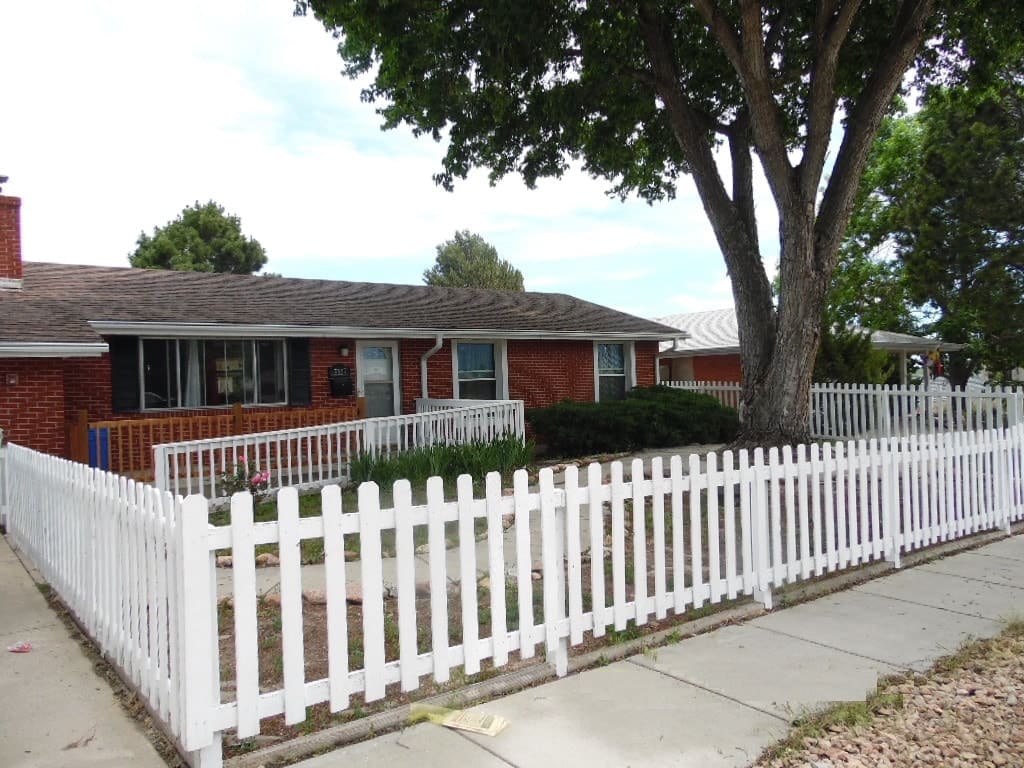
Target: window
point(613, 373)
point(478, 371)
point(193, 373)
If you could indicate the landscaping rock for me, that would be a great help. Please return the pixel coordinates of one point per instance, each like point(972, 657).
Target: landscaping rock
point(423, 589)
point(272, 598)
point(350, 555)
point(265, 559)
point(485, 582)
point(537, 575)
point(315, 596)
point(422, 549)
point(224, 561)
point(354, 593)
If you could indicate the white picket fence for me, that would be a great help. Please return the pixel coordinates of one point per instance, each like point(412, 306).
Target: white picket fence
point(673, 539)
point(111, 549)
point(852, 411)
point(315, 456)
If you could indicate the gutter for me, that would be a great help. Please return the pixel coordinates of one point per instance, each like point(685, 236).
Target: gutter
point(52, 349)
point(438, 343)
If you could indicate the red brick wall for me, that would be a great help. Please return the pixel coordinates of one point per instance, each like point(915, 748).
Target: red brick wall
point(717, 368)
point(646, 363)
point(32, 410)
point(323, 353)
point(10, 238)
point(87, 386)
point(545, 372)
point(439, 371)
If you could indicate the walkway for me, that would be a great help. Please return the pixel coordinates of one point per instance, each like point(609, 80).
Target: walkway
point(57, 712)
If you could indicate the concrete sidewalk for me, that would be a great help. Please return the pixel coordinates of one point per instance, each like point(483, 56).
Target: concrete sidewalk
point(56, 711)
point(718, 699)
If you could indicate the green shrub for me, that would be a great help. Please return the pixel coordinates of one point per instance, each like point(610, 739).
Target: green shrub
point(504, 455)
point(651, 417)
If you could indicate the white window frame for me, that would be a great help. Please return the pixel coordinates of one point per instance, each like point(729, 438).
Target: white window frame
point(177, 373)
point(629, 365)
point(500, 366)
point(396, 368)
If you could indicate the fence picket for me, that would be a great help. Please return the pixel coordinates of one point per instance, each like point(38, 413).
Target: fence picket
point(337, 607)
point(658, 512)
point(524, 564)
point(618, 548)
point(467, 575)
point(243, 575)
point(574, 558)
point(405, 576)
point(595, 510)
point(496, 561)
point(639, 526)
point(292, 643)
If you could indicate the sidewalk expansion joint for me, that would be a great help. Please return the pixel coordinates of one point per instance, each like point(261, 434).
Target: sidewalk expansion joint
point(486, 749)
point(712, 691)
point(972, 578)
point(895, 665)
point(925, 605)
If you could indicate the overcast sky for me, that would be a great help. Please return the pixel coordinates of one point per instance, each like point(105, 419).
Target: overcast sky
point(115, 115)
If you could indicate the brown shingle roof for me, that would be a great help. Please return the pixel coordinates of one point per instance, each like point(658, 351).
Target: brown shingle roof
point(58, 301)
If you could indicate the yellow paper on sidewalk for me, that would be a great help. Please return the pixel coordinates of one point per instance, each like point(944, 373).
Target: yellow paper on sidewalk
point(460, 719)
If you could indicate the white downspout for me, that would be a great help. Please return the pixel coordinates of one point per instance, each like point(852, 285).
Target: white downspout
point(438, 343)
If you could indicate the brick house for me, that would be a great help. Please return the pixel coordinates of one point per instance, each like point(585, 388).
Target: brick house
point(124, 343)
point(710, 350)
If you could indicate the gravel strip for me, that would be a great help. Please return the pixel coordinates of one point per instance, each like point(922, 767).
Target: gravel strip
point(967, 711)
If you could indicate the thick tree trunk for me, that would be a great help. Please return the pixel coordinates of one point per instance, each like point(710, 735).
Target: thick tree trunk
point(776, 383)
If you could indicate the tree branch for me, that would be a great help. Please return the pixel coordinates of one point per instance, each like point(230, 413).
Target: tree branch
point(746, 53)
point(862, 127)
point(830, 31)
point(691, 131)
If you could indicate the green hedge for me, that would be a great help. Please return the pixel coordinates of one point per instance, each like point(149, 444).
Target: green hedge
point(651, 417)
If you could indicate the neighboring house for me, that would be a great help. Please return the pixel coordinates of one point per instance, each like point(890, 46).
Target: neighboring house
point(126, 343)
point(711, 350)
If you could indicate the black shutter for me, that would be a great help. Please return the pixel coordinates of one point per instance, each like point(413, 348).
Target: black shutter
point(124, 373)
point(299, 376)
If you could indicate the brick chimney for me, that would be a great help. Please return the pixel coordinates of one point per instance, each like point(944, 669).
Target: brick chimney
point(10, 242)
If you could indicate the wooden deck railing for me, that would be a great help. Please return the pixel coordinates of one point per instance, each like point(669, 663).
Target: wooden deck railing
point(125, 446)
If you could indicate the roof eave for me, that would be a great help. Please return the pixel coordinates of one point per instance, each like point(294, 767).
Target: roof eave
point(237, 330)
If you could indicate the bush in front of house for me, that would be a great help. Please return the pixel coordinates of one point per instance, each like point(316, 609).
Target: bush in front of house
point(504, 455)
point(649, 417)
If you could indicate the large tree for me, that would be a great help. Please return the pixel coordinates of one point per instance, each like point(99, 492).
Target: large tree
point(940, 212)
point(469, 261)
point(202, 239)
point(641, 92)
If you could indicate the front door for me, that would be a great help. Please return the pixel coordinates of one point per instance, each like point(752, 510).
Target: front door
point(377, 377)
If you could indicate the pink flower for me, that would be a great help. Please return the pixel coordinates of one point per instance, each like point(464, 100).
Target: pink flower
point(241, 459)
point(256, 479)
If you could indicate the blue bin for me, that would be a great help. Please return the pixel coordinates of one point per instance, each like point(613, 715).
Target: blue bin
point(99, 448)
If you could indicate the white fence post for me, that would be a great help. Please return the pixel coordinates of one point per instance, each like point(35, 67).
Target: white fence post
point(200, 650)
point(760, 557)
point(553, 554)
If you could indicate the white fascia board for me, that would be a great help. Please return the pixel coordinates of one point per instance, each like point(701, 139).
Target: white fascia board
point(51, 349)
point(699, 352)
point(226, 330)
